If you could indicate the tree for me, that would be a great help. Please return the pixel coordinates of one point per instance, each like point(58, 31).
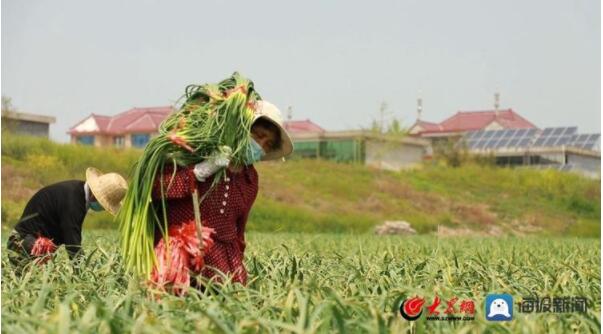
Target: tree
point(7, 107)
point(375, 127)
point(394, 127)
point(382, 116)
point(7, 104)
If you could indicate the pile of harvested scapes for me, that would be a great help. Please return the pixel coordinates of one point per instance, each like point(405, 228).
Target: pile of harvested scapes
point(184, 254)
point(212, 116)
point(43, 248)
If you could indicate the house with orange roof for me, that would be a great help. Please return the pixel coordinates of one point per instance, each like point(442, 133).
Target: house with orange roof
point(466, 121)
point(131, 128)
point(302, 129)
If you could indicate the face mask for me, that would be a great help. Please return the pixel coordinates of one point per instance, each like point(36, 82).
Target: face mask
point(254, 152)
point(95, 206)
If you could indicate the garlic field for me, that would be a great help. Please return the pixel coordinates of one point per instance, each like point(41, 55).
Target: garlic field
point(315, 283)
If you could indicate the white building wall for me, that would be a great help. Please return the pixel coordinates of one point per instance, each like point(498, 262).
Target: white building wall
point(590, 166)
point(392, 156)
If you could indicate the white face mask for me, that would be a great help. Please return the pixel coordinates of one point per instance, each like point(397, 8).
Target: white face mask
point(255, 152)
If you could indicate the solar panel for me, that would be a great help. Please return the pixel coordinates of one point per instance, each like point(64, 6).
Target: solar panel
point(561, 131)
point(489, 145)
point(498, 134)
point(552, 141)
point(580, 138)
point(552, 137)
point(539, 141)
point(525, 138)
point(592, 137)
point(501, 143)
point(508, 134)
point(525, 142)
point(485, 134)
point(586, 141)
point(563, 141)
point(511, 133)
point(593, 142)
point(520, 132)
point(595, 137)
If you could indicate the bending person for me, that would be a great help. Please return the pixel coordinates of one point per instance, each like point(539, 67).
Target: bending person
point(54, 216)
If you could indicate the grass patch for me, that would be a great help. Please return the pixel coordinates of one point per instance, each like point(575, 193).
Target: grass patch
point(323, 196)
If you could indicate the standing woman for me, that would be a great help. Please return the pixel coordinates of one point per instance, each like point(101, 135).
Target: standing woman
point(225, 208)
point(195, 179)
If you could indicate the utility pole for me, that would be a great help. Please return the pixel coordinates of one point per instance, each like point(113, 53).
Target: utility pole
point(496, 103)
point(382, 110)
point(289, 117)
point(419, 106)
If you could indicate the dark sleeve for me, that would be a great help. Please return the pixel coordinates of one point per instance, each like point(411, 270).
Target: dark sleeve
point(71, 230)
point(175, 185)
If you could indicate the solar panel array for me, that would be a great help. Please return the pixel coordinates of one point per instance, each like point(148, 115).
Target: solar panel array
point(587, 142)
point(500, 139)
point(520, 139)
point(555, 137)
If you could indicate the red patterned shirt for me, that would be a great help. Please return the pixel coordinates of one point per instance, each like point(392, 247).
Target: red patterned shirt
point(225, 208)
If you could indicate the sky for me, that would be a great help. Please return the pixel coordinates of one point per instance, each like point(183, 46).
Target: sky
point(333, 62)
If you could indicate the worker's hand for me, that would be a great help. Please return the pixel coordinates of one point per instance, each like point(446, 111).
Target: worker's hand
point(218, 159)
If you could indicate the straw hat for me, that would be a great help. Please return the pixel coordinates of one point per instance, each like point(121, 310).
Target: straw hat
point(271, 113)
point(109, 189)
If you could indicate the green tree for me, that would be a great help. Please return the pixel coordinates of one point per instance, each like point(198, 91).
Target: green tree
point(7, 107)
point(394, 127)
point(375, 127)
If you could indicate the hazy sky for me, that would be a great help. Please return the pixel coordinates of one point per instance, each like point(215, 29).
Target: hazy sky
point(333, 61)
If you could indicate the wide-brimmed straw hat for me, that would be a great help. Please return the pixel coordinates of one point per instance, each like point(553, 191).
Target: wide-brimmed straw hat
point(108, 189)
point(270, 112)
